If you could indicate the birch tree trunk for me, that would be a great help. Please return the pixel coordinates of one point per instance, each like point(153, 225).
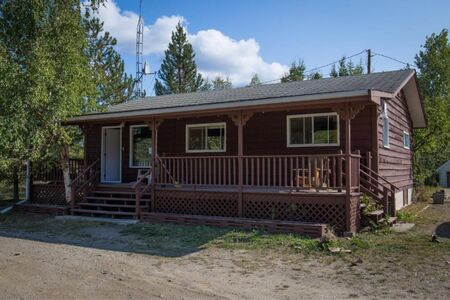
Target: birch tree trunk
point(64, 161)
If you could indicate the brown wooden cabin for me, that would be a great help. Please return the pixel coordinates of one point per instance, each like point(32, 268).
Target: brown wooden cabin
point(289, 156)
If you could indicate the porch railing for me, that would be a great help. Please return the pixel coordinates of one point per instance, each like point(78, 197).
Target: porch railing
point(42, 172)
point(295, 172)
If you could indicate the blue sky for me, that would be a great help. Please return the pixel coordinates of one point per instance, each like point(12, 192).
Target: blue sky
point(239, 38)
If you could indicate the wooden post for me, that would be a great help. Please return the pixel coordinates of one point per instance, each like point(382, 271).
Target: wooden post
point(240, 118)
point(154, 154)
point(240, 162)
point(348, 166)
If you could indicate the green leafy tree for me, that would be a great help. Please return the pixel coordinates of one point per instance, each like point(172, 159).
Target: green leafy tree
point(220, 83)
point(255, 80)
point(113, 85)
point(178, 72)
point(52, 78)
point(346, 68)
point(296, 72)
point(432, 144)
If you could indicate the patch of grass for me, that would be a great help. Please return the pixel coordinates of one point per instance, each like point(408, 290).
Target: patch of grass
point(176, 236)
point(39, 223)
point(405, 216)
point(260, 240)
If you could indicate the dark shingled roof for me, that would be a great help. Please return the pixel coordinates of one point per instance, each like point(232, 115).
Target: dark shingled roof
point(384, 81)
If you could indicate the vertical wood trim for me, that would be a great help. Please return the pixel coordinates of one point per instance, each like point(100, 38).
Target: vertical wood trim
point(240, 162)
point(154, 153)
point(348, 166)
point(375, 138)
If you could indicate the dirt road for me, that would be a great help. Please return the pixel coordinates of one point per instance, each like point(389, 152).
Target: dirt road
point(41, 258)
point(32, 269)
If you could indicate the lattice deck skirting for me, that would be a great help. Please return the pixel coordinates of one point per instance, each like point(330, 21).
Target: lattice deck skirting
point(309, 229)
point(307, 207)
point(49, 194)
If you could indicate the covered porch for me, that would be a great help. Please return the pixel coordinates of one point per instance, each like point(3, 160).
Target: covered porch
point(314, 184)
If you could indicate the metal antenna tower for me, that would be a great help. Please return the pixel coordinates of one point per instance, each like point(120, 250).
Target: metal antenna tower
point(139, 54)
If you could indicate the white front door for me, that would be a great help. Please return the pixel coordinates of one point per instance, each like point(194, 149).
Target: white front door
point(111, 154)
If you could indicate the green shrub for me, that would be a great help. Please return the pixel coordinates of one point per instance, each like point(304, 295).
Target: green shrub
point(369, 204)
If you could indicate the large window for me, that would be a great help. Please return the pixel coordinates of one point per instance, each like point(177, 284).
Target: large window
point(385, 117)
point(313, 130)
point(205, 137)
point(140, 146)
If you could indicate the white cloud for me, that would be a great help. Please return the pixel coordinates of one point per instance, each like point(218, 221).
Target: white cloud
point(220, 55)
point(216, 53)
point(122, 25)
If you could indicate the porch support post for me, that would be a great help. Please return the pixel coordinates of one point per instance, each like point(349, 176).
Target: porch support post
point(86, 129)
point(348, 168)
point(240, 118)
point(347, 112)
point(154, 151)
point(240, 162)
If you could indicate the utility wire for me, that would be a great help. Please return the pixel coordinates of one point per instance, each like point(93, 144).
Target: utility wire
point(321, 67)
point(346, 58)
point(394, 59)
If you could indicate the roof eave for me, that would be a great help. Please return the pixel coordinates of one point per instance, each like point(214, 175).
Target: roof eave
point(243, 104)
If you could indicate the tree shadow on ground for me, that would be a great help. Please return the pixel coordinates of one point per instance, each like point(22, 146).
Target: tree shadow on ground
point(443, 230)
point(154, 239)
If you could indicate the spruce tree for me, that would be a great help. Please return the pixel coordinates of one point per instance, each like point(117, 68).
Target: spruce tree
point(178, 72)
point(220, 83)
point(113, 85)
point(296, 72)
point(255, 80)
point(346, 68)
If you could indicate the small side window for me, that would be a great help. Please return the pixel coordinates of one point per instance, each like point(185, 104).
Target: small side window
point(406, 140)
point(385, 117)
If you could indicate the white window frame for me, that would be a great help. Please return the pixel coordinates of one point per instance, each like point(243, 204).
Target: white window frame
point(130, 156)
point(206, 125)
point(406, 134)
point(288, 127)
point(386, 125)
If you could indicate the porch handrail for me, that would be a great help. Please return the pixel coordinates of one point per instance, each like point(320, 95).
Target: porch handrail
point(88, 168)
point(140, 191)
point(76, 186)
point(376, 176)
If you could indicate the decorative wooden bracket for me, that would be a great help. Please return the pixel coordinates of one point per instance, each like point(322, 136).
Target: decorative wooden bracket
point(353, 110)
point(158, 122)
point(240, 116)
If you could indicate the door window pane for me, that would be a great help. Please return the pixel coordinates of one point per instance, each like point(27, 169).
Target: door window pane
point(141, 143)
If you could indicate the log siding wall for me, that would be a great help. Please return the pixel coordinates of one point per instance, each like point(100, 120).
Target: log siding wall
point(264, 134)
point(395, 162)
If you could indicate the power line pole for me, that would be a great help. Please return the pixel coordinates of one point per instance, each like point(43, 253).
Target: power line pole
point(369, 61)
